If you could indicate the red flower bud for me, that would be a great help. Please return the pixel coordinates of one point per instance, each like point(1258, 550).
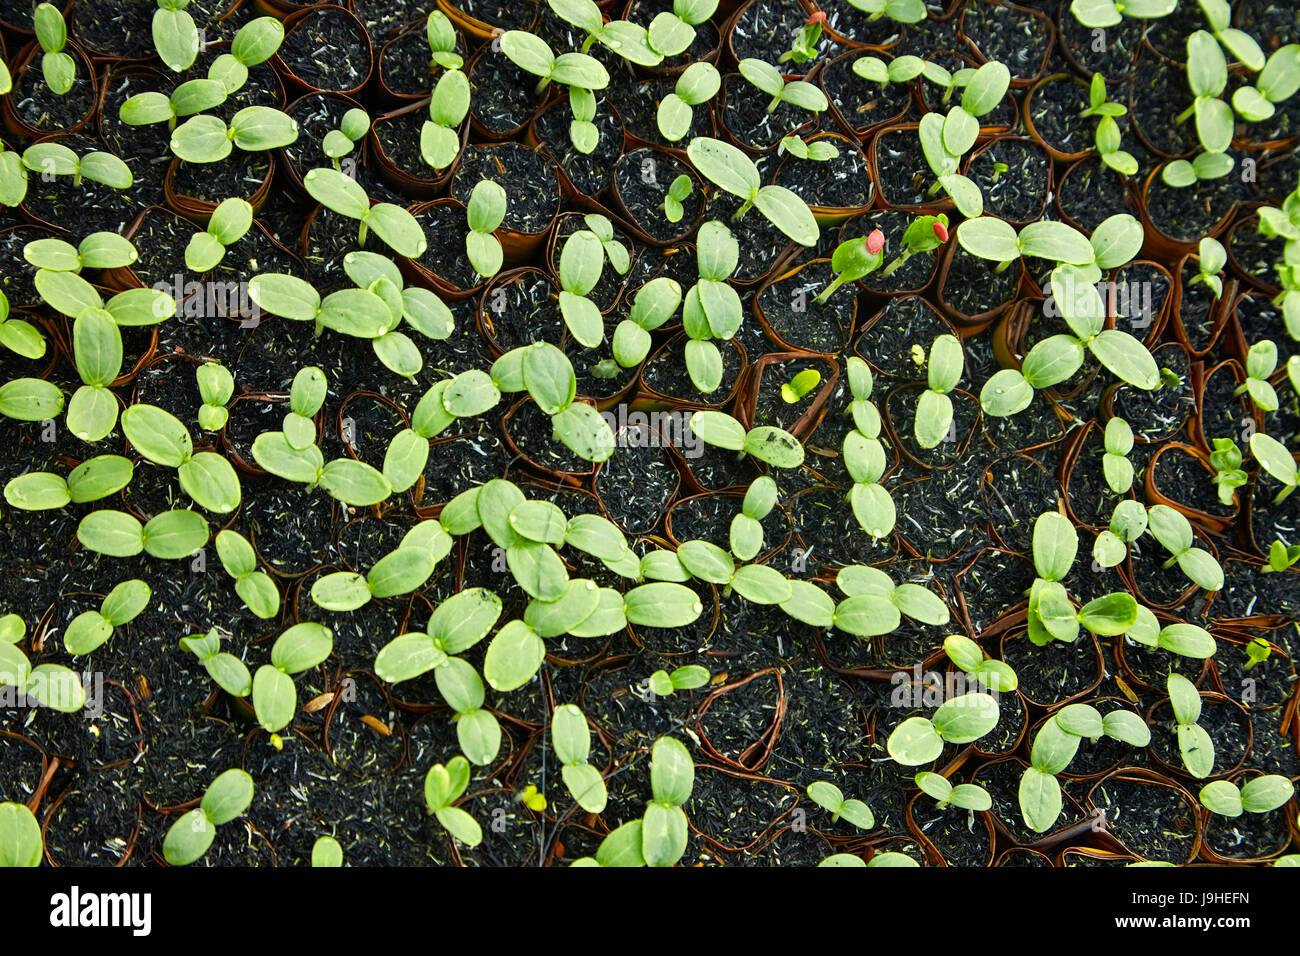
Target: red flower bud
point(941, 231)
point(875, 241)
point(816, 17)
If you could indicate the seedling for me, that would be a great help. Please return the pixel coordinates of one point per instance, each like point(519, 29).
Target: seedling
point(663, 684)
point(89, 629)
point(56, 159)
point(326, 852)
point(1207, 75)
point(1180, 173)
point(92, 480)
point(443, 786)
point(864, 457)
point(746, 532)
point(1211, 259)
point(163, 439)
point(1051, 613)
point(994, 674)
point(226, 798)
point(229, 223)
point(962, 720)
point(853, 260)
point(175, 36)
point(945, 140)
point(1115, 466)
point(1262, 794)
point(817, 151)
point(300, 648)
point(51, 685)
point(767, 443)
point(547, 375)
point(653, 304)
point(1276, 83)
point(1054, 748)
point(225, 669)
point(768, 79)
point(1257, 651)
point(1194, 743)
point(1237, 42)
point(448, 107)
point(99, 250)
point(338, 143)
point(804, 47)
point(582, 260)
point(874, 604)
point(254, 587)
point(663, 828)
point(672, 32)
point(900, 11)
point(793, 391)
point(628, 40)
point(1261, 362)
point(1107, 13)
point(695, 86)
point(391, 223)
point(401, 571)
point(170, 535)
point(923, 234)
point(58, 68)
point(1185, 640)
point(486, 210)
point(711, 308)
point(1174, 532)
point(207, 139)
point(966, 796)
point(1281, 557)
point(20, 836)
point(831, 799)
point(1226, 461)
point(998, 169)
point(581, 73)
point(441, 35)
point(728, 168)
point(678, 190)
point(571, 738)
point(1274, 458)
point(903, 69)
point(934, 408)
point(1108, 135)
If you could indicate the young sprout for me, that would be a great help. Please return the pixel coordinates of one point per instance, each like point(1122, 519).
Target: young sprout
point(767, 443)
point(1261, 362)
point(934, 408)
point(1108, 135)
point(678, 191)
point(216, 385)
point(58, 68)
point(728, 168)
point(90, 629)
point(441, 36)
point(900, 11)
point(1274, 458)
point(903, 69)
point(571, 738)
point(711, 308)
point(1276, 83)
point(1128, 522)
point(254, 587)
point(768, 79)
point(160, 437)
point(443, 786)
point(1098, 14)
point(94, 479)
point(1194, 743)
point(696, 85)
point(404, 569)
point(804, 47)
point(21, 843)
point(51, 685)
point(1262, 794)
point(864, 457)
point(998, 169)
point(187, 99)
point(229, 223)
point(854, 259)
point(175, 36)
point(1281, 557)
point(391, 223)
point(1051, 613)
point(57, 160)
point(875, 605)
point(1098, 104)
point(994, 674)
point(746, 532)
point(653, 304)
point(923, 234)
point(486, 210)
point(1237, 42)
point(226, 798)
point(793, 391)
point(300, 648)
point(1185, 640)
point(1115, 466)
point(1174, 531)
point(945, 140)
point(225, 669)
point(1257, 651)
point(1226, 461)
point(256, 42)
point(207, 139)
point(547, 375)
point(831, 799)
point(672, 32)
point(448, 107)
point(818, 151)
point(99, 250)
point(340, 142)
point(1054, 748)
point(1181, 173)
point(966, 796)
point(581, 73)
point(962, 720)
point(663, 684)
point(582, 260)
point(1211, 259)
point(628, 40)
point(664, 826)
point(170, 535)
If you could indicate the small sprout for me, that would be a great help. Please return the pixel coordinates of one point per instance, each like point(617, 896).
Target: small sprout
point(1108, 135)
point(854, 259)
point(923, 234)
point(728, 168)
point(1274, 458)
point(208, 139)
point(216, 385)
point(326, 852)
point(229, 223)
point(653, 304)
point(441, 35)
point(688, 677)
point(994, 674)
point(448, 107)
point(275, 696)
point(768, 79)
point(818, 151)
point(1262, 794)
point(966, 796)
point(746, 534)
point(226, 798)
point(1211, 259)
point(1174, 531)
point(804, 47)
point(582, 260)
point(58, 68)
point(1261, 362)
point(626, 39)
point(1099, 14)
point(484, 214)
point(767, 443)
point(228, 671)
point(1257, 651)
point(340, 142)
point(900, 11)
point(343, 195)
point(695, 86)
point(1194, 743)
point(934, 409)
point(1226, 462)
point(831, 799)
point(804, 382)
point(255, 587)
point(998, 169)
point(174, 35)
point(56, 158)
point(1281, 557)
point(673, 31)
point(1117, 469)
point(962, 720)
point(678, 191)
point(443, 786)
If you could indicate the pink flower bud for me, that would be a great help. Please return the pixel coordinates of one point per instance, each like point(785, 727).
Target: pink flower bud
point(941, 231)
point(875, 241)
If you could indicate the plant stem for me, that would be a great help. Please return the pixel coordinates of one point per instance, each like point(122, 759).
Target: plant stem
point(748, 204)
point(826, 293)
point(776, 101)
point(894, 266)
point(1183, 116)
